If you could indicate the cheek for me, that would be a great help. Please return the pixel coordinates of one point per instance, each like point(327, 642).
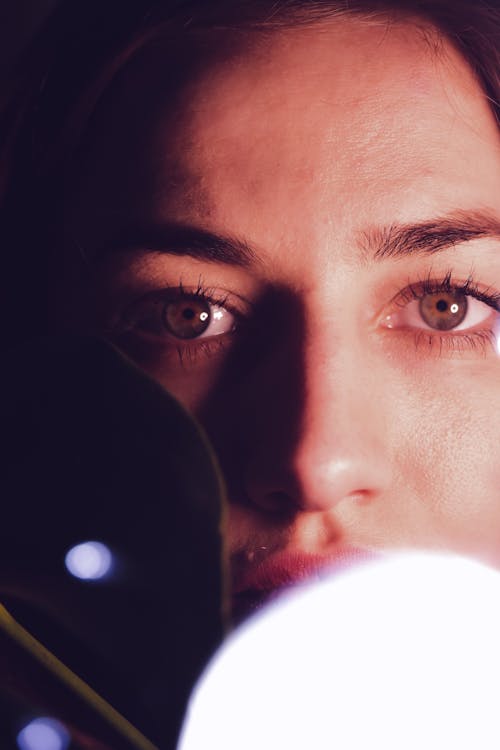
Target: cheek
point(192, 388)
point(452, 460)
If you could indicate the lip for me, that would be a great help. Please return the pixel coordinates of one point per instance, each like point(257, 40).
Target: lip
point(260, 582)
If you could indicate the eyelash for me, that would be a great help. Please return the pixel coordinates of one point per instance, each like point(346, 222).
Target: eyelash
point(470, 288)
point(207, 294)
point(452, 342)
point(211, 345)
point(189, 351)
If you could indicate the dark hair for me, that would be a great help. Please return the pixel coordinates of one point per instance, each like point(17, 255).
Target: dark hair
point(86, 42)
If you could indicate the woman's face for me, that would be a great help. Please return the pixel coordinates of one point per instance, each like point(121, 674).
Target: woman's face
point(300, 240)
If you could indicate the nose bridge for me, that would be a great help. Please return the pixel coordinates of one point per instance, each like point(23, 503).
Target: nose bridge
point(335, 427)
point(341, 421)
point(340, 383)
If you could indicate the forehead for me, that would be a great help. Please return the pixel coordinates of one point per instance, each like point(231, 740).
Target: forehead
point(342, 120)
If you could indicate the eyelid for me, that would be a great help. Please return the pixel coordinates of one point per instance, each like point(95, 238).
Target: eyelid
point(409, 317)
point(447, 283)
point(235, 303)
point(150, 308)
point(406, 300)
point(219, 315)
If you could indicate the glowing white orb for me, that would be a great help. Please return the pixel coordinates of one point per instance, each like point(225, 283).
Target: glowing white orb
point(43, 734)
point(89, 560)
point(401, 653)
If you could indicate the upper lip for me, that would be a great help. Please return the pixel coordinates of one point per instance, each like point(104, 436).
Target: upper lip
point(284, 568)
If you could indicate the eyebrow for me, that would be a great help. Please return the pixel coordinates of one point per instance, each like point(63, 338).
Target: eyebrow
point(180, 239)
point(430, 236)
point(380, 243)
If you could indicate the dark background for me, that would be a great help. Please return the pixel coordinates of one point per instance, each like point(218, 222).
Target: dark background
point(19, 20)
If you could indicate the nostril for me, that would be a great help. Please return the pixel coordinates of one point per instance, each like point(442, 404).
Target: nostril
point(278, 503)
point(361, 497)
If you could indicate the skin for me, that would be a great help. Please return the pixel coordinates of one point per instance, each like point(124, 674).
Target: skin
point(335, 423)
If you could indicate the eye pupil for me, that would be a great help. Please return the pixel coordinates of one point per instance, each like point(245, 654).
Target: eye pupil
point(443, 311)
point(187, 318)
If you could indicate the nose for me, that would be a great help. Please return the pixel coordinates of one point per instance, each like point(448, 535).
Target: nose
point(324, 443)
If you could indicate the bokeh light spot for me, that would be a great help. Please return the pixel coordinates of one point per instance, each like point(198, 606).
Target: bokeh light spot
point(89, 560)
point(43, 734)
point(401, 653)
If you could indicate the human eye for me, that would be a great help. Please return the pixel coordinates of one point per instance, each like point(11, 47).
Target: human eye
point(447, 314)
point(184, 320)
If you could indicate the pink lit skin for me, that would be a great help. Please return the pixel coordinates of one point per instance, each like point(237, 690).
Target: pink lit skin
point(341, 428)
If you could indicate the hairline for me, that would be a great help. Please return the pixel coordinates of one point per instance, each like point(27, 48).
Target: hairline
point(312, 17)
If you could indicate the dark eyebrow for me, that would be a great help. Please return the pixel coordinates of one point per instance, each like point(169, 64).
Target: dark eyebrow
point(180, 239)
point(429, 237)
point(380, 243)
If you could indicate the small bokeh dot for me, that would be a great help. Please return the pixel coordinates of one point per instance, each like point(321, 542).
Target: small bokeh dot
point(43, 733)
point(89, 560)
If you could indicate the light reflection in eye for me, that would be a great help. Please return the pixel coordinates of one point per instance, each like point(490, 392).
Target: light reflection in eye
point(180, 315)
point(411, 315)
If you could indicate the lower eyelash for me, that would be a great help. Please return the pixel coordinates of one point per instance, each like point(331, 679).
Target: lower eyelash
point(189, 353)
point(481, 341)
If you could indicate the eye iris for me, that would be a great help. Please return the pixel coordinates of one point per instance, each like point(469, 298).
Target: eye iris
point(187, 319)
point(443, 310)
